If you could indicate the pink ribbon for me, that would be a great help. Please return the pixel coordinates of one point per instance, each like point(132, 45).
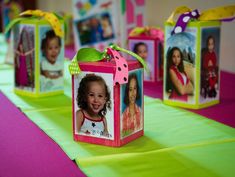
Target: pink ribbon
point(121, 73)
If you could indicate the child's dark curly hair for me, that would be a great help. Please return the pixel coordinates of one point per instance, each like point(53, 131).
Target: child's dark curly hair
point(83, 92)
point(126, 97)
point(49, 35)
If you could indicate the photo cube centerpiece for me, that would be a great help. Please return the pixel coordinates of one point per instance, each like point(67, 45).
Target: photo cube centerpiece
point(38, 58)
point(149, 48)
point(102, 110)
point(191, 64)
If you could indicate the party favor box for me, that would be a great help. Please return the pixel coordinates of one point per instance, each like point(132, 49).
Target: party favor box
point(108, 110)
point(192, 51)
point(103, 22)
point(149, 45)
point(38, 54)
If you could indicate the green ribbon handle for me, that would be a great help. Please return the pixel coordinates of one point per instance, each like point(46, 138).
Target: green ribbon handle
point(12, 23)
point(18, 19)
point(92, 55)
point(86, 55)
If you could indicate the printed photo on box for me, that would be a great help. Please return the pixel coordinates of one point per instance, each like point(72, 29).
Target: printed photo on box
point(209, 64)
point(94, 29)
point(180, 65)
point(132, 104)
point(94, 114)
point(121, 18)
point(51, 60)
point(145, 49)
point(24, 58)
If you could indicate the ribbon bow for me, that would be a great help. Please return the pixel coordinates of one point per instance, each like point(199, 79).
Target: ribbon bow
point(50, 17)
point(224, 13)
point(147, 31)
point(92, 55)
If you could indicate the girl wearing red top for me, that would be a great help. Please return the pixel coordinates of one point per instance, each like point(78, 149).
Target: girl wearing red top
point(209, 57)
point(209, 77)
point(178, 83)
point(131, 118)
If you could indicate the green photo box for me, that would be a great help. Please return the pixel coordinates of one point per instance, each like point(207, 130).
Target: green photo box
point(38, 54)
point(191, 64)
point(192, 47)
point(191, 56)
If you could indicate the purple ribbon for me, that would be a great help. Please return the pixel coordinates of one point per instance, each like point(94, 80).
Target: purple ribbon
point(183, 21)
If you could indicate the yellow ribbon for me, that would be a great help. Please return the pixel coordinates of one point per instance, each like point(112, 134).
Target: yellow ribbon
point(218, 13)
point(50, 17)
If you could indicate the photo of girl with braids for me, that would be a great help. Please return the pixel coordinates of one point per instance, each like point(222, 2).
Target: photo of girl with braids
point(93, 101)
point(51, 64)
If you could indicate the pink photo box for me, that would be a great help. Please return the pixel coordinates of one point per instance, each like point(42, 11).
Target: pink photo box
point(107, 67)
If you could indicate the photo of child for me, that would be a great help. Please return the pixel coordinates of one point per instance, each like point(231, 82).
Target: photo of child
point(132, 118)
point(106, 27)
point(94, 29)
point(178, 85)
point(93, 102)
point(51, 77)
point(24, 56)
point(22, 74)
point(180, 66)
point(145, 51)
point(209, 69)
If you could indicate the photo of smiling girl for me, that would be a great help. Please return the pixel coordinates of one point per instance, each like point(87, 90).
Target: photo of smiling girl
point(93, 99)
point(51, 63)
